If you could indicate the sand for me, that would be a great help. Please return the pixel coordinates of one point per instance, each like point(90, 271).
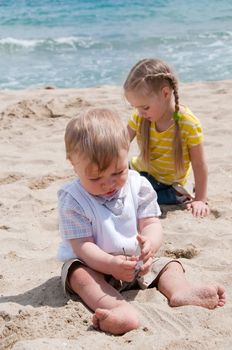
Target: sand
point(34, 313)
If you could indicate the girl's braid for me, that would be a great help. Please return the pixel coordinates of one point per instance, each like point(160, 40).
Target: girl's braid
point(174, 86)
point(177, 141)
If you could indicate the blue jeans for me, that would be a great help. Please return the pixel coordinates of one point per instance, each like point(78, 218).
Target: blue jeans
point(166, 193)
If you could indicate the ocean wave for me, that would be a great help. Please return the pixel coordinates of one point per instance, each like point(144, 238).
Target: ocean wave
point(111, 42)
point(216, 35)
point(47, 44)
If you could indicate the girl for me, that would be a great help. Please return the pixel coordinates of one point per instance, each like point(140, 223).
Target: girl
point(168, 134)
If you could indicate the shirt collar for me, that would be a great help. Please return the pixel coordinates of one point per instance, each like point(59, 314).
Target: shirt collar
point(120, 194)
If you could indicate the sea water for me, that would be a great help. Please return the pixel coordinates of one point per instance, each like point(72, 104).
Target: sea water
point(67, 43)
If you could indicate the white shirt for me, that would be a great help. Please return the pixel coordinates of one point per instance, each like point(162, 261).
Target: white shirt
point(112, 222)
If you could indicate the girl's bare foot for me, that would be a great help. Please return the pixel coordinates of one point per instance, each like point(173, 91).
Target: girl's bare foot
point(118, 320)
point(208, 297)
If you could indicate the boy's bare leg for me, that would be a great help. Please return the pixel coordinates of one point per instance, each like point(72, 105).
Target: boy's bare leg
point(179, 292)
point(112, 313)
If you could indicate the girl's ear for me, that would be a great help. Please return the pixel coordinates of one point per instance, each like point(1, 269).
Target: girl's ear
point(166, 92)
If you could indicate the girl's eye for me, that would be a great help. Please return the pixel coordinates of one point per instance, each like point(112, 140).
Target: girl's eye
point(146, 108)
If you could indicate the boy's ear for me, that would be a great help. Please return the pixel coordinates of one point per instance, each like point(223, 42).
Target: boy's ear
point(70, 161)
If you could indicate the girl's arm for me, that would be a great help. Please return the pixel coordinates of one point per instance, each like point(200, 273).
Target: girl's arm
point(98, 260)
point(199, 205)
point(131, 133)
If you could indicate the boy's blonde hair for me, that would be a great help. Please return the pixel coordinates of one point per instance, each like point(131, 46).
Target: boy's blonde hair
point(97, 134)
point(149, 76)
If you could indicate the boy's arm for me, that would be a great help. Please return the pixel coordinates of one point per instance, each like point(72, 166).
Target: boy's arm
point(150, 240)
point(99, 260)
point(151, 229)
point(149, 226)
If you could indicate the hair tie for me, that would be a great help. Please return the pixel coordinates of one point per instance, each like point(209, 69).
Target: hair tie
point(176, 116)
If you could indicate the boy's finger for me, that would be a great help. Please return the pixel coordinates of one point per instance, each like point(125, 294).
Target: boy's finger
point(134, 258)
point(140, 238)
point(129, 265)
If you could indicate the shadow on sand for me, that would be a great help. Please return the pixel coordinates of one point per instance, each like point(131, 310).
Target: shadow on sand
point(49, 293)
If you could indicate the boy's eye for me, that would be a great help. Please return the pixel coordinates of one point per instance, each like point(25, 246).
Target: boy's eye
point(123, 171)
point(118, 173)
point(96, 179)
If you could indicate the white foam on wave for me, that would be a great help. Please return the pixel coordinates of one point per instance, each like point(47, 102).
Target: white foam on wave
point(19, 42)
point(71, 41)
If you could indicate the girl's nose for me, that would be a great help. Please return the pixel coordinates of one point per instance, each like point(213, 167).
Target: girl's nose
point(141, 113)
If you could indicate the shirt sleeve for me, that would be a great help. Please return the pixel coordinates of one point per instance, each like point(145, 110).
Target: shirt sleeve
point(147, 200)
point(195, 135)
point(191, 127)
point(73, 222)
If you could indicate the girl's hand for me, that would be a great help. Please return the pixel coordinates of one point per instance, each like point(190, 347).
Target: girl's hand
point(146, 254)
point(123, 268)
point(198, 208)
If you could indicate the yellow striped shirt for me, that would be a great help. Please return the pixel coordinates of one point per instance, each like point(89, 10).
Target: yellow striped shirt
point(162, 166)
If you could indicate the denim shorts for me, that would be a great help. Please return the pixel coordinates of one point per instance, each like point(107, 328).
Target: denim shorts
point(165, 193)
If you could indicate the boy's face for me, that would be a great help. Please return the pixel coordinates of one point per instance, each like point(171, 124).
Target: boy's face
point(105, 183)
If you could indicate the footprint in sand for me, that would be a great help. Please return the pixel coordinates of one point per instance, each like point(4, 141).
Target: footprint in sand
point(45, 181)
point(10, 178)
point(187, 252)
point(77, 102)
point(4, 227)
point(216, 213)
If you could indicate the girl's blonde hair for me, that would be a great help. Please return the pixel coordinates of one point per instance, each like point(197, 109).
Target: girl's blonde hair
point(149, 76)
point(99, 135)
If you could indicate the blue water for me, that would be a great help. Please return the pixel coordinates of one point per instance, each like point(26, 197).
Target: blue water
point(70, 43)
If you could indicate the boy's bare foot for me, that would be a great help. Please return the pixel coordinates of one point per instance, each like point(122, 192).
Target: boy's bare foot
point(208, 297)
point(118, 320)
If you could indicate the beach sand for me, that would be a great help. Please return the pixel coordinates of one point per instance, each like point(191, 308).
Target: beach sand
point(34, 313)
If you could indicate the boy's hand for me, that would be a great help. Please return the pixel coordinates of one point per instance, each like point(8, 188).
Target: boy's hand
point(198, 208)
point(123, 268)
point(146, 255)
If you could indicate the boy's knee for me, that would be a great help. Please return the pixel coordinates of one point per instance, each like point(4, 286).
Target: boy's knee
point(174, 266)
point(83, 276)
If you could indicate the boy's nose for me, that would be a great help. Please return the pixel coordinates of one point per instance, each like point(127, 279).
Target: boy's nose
point(109, 183)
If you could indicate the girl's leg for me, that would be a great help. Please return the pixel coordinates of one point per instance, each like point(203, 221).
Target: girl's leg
point(167, 196)
point(112, 313)
point(165, 193)
point(179, 292)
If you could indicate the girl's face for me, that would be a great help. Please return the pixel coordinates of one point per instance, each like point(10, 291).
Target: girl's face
point(105, 183)
point(153, 107)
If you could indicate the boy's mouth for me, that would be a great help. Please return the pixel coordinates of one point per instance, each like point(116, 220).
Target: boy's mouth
point(110, 193)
